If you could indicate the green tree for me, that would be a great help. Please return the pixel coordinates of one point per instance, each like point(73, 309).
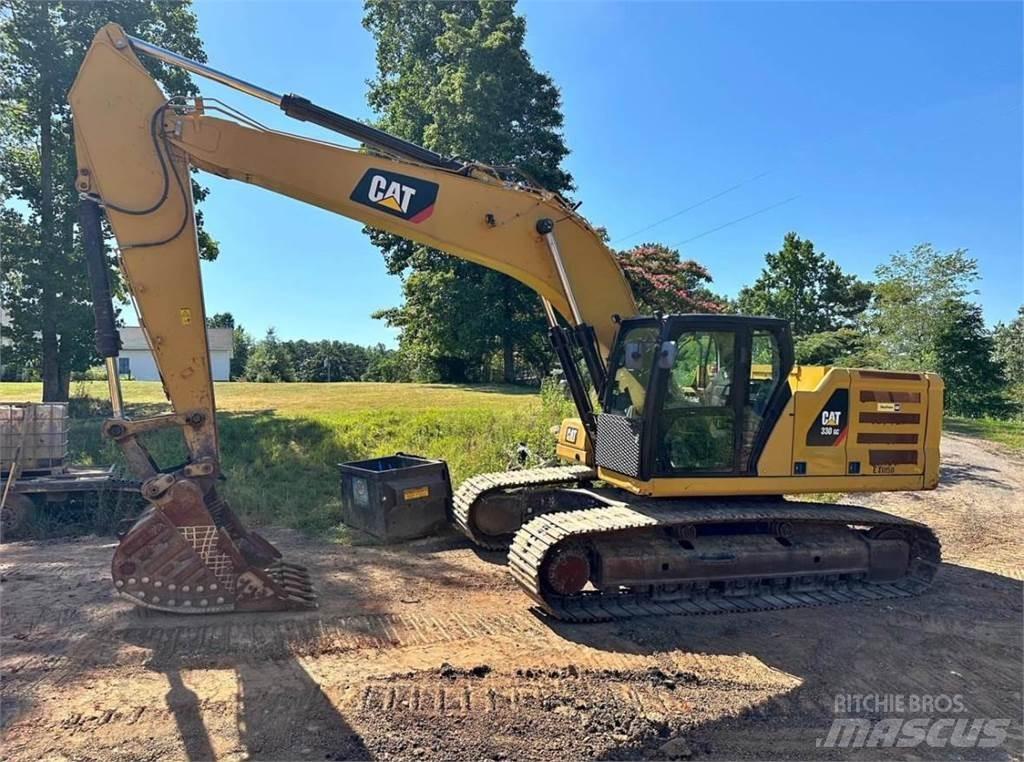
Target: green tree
point(912, 298)
point(922, 319)
point(1009, 351)
point(844, 346)
point(456, 78)
point(44, 288)
point(328, 360)
point(806, 288)
point(964, 349)
point(269, 361)
point(664, 283)
point(221, 320)
point(386, 365)
point(242, 345)
point(1009, 347)
point(241, 342)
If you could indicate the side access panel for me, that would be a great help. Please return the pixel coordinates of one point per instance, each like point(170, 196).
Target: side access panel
point(821, 426)
point(889, 413)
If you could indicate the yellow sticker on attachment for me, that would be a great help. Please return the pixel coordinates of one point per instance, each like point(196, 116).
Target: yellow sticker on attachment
point(186, 316)
point(416, 493)
point(888, 407)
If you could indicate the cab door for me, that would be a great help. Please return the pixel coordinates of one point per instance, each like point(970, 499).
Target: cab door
point(721, 395)
point(698, 427)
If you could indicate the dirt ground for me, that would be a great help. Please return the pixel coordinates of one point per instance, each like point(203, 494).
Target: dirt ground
point(428, 650)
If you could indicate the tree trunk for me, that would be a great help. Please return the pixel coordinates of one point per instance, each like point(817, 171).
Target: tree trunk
point(55, 381)
point(53, 389)
point(508, 359)
point(51, 364)
point(64, 384)
point(65, 353)
point(508, 355)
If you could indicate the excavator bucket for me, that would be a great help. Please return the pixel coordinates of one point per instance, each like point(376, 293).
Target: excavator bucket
point(192, 555)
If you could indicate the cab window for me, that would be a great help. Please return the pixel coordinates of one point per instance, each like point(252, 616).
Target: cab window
point(631, 368)
point(696, 429)
point(765, 375)
point(703, 370)
point(765, 368)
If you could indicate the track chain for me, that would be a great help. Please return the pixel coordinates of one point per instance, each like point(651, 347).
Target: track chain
point(540, 536)
point(467, 497)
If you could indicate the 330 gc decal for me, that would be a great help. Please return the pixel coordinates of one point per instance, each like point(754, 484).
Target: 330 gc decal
point(829, 428)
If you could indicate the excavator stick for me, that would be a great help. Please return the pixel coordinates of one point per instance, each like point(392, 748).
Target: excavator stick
point(188, 552)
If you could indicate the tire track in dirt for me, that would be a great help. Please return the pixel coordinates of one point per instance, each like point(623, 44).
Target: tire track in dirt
point(649, 696)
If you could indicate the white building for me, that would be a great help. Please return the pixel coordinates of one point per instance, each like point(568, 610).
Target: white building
point(136, 360)
point(5, 323)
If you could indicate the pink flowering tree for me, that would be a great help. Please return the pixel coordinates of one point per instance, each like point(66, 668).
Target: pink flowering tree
point(664, 283)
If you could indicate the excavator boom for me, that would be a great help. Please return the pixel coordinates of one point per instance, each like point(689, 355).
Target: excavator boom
point(135, 151)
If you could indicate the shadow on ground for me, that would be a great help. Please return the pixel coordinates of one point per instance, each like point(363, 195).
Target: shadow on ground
point(960, 639)
point(279, 710)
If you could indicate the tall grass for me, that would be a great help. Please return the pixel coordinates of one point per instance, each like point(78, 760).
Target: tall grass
point(281, 443)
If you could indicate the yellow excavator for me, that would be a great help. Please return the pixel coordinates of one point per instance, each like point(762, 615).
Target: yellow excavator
point(690, 428)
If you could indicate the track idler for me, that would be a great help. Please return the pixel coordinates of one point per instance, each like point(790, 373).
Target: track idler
point(191, 555)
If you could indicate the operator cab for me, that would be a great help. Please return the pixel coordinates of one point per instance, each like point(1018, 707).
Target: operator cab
point(692, 394)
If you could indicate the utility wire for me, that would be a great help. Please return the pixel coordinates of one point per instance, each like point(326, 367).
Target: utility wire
point(733, 222)
point(861, 128)
point(692, 206)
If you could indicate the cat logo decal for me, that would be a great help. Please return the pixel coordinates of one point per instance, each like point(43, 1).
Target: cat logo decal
point(402, 196)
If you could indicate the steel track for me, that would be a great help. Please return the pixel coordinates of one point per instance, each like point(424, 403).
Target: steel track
point(469, 494)
point(540, 537)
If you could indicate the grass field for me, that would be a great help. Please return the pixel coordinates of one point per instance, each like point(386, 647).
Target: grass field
point(281, 442)
point(1008, 433)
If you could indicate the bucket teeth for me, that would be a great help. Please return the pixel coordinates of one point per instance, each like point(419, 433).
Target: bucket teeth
point(294, 591)
point(294, 584)
point(280, 573)
point(290, 567)
point(301, 592)
point(287, 574)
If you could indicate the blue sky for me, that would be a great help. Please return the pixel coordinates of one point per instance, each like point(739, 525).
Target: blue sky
point(866, 127)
